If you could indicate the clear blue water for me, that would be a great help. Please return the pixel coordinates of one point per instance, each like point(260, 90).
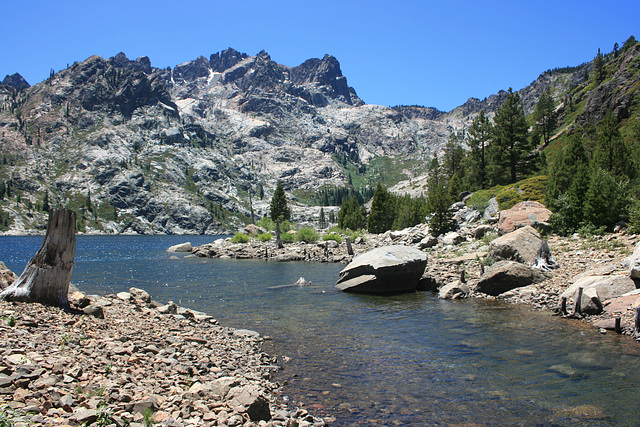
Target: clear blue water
point(365, 360)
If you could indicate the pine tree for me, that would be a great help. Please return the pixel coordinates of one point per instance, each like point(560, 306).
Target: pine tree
point(598, 65)
point(45, 202)
point(510, 139)
point(439, 206)
point(322, 220)
point(606, 199)
point(480, 134)
point(352, 216)
point(545, 117)
point(382, 211)
point(279, 208)
point(568, 183)
point(611, 153)
point(452, 159)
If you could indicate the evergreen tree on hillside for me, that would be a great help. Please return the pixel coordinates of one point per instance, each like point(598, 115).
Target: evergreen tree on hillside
point(454, 165)
point(611, 153)
point(598, 65)
point(480, 134)
point(568, 183)
point(631, 41)
point(606, 200)
point(510, 145)
point(279, 209)
point(352, 216)
point(382, 211)
point(545, 117)
point(439, 207)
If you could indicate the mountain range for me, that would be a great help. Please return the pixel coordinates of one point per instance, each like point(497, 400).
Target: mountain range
point(199, 148)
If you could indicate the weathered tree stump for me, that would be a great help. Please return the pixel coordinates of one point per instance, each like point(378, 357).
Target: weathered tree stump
point(544, 258)
point(46, 277)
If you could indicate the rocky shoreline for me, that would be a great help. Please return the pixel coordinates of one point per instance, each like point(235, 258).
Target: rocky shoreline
point(123, 360)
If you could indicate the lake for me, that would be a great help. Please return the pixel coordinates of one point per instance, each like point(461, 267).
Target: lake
point(409, 359)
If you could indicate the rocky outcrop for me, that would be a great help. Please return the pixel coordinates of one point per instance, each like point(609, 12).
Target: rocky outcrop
point(521, 245)
point(522, 214)
point(384, 270)
point(16, 81)
point(504, 276)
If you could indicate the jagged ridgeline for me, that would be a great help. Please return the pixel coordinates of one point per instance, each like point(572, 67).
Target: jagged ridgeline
point(193, 149)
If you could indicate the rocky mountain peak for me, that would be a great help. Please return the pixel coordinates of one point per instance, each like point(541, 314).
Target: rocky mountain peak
point(226, 59)
point(142, 64)
point(190, 71)
point(16, 81)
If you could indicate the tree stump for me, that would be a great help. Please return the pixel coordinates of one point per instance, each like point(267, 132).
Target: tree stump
point(544, 259)
point(46, 277)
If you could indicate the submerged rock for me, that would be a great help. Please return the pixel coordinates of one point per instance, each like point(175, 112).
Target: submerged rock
point(388, 269)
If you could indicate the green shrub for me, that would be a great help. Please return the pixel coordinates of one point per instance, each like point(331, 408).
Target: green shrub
point(287, 237)
point(533, 189)
point(480, 199)
point(354, 235)
point(240, 238)
point(265, 237)
point(332, 236)
point(307, 235)
point(286, 226)
point(267, 223)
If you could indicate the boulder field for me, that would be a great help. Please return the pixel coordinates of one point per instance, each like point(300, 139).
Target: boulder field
point(126, 360)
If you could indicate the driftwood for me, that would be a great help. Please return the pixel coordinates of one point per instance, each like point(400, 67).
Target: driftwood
point(544, 259)
point(47, 275)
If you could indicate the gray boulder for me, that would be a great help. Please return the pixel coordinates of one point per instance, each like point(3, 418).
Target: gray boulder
point(181, 247)
point(506, 275)
point(452, 238)
point(384, 270)
point(634, 263)
point(454, 290)
point(521, 245)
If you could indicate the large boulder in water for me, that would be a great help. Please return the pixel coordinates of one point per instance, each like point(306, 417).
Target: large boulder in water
point(384, 270)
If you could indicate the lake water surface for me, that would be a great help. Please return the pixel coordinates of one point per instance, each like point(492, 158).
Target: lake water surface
point(366, 360)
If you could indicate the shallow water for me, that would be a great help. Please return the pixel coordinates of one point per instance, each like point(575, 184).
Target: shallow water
point(366, 360)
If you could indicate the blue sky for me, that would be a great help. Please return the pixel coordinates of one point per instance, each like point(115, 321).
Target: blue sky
point(432, 53)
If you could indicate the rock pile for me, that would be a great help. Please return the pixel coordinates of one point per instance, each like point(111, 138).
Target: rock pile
point(134, 362)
